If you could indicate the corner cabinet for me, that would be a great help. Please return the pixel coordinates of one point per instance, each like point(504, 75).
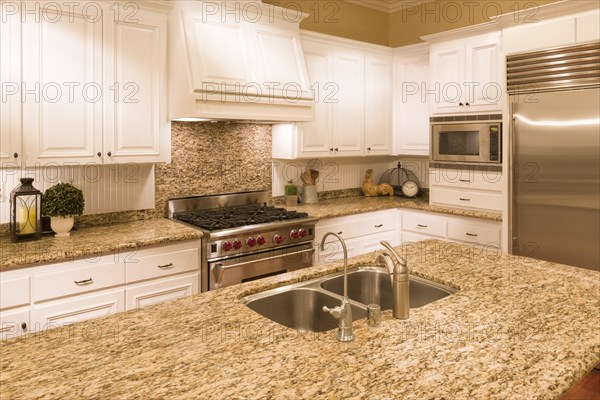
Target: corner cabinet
point(351, 85)
point(466, 75)
point(411, 106)
point(96, 86)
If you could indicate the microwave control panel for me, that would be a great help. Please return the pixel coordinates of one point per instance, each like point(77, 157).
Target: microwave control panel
point(495, 142)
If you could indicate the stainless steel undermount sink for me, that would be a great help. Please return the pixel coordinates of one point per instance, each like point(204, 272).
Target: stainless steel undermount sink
point(300, 305)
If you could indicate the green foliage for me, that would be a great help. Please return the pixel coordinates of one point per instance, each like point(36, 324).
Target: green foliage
point(62, 200)
point(291, 189)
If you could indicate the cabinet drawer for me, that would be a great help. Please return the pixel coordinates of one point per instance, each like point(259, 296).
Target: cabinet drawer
point(144, 267)
point(467, 199)
point(172, 288)
point(474, 233)
point(466, 179)
point(77, 280)
point(334, 252)
point(14, 323)
point(372, 243)
point(411, 237)
point(14, 292)
point(424, 224)
point(378, 223)
point(80, 308)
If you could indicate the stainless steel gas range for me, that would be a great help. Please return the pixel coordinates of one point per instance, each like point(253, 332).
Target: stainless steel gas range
point(244, 238)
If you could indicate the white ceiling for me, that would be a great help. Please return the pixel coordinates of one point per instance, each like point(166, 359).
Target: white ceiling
point(388, 6)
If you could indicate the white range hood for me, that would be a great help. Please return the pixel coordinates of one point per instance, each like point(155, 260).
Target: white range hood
point(237, 60)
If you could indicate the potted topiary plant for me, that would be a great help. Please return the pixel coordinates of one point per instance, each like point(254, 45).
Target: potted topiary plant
point(61, 203)
point(291, 194)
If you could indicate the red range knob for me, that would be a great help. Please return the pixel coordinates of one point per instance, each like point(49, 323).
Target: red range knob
point(260, 240)
point(227, 246)
point(237, 244)
point(278, 239)
point(302, 233)
point(250, 242)
point(294, 234)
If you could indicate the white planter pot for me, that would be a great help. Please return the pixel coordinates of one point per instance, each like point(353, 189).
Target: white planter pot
point(62, 226)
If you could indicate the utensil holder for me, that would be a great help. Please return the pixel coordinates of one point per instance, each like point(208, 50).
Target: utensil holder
point(309, 194)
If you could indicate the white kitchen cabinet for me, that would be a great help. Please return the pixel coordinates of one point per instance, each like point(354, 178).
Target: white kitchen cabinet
point(136, 125)
point(10, 82)
point(540, 35)
point(417, 226)
point(52, 295)
point(466, 75)
point(351, 84)
point(160, 290)
point(58, 313)
point(94, 87)
point(362, 233)
point(466, 188)
point(588, 27)
point(411, 105)
point(378, 104)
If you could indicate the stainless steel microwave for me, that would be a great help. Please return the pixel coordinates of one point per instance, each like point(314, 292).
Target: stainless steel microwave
point(467, 142)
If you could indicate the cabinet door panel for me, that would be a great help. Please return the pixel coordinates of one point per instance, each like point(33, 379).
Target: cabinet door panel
point(411, 108)
point(79, 308)
point(484, 84)
point(378, 105)
point(161, 290)
point(447, 77)
point(314, 136)
point(349, 111)
point(10, 79)
point(62, 69)
point(134, 115)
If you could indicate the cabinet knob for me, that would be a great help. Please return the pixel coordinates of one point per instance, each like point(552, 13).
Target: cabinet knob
point(24, 326)
point(99, 154)
point(368, 149)
point(109, 154)
point(16, 155)
point(467, 104)
point(331, 149)
point(461, 104)
point(336, 149)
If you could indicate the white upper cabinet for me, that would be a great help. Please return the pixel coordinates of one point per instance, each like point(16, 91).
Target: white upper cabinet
point(62, 85)
point(352, 90)
point(466, 75)
point(94, 80)
point(240, 54)
point(135, 115)
point(411, 105)
point(10, 81)
point(349, 106)
point(588, 27)
point(378, 104)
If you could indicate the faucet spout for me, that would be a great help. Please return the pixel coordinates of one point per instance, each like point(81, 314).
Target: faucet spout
point(343, 312)
point(398, 269)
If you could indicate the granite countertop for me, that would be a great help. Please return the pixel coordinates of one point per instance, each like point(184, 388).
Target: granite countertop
point(93, 241)
point(517, 328)
point(360, 204)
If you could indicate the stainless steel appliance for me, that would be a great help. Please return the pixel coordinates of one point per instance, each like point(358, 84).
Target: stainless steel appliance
point(467, 139)
point(555, 140)
point(244, 238)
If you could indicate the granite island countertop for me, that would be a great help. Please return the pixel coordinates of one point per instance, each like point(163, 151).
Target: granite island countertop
point(94, 240)
point(337, 207)
point(517, 328)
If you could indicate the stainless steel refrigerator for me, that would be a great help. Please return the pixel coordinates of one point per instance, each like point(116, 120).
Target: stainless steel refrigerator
point(555, 161)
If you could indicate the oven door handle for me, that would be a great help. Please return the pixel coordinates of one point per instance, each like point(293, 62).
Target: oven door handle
point(219, 268)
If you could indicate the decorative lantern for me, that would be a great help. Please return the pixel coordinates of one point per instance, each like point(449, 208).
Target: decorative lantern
point(25, 212)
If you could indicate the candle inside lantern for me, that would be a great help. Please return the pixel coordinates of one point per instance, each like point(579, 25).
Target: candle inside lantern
point(27, 220)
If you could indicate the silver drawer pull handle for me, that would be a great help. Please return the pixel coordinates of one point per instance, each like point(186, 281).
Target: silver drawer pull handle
point(84, 282)
point(465, 180)
point(471, 234)
point(167, 266)
point(462, 199)
point(421, 226)
point(378, 226)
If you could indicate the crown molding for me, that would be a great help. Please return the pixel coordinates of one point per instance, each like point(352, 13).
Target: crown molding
point(388, 6)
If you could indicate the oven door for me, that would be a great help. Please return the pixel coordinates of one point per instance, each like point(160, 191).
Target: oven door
point(259, 265)
point(461, 142)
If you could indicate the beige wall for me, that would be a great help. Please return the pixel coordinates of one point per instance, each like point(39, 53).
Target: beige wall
point(338, 18)
point(408, 25)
